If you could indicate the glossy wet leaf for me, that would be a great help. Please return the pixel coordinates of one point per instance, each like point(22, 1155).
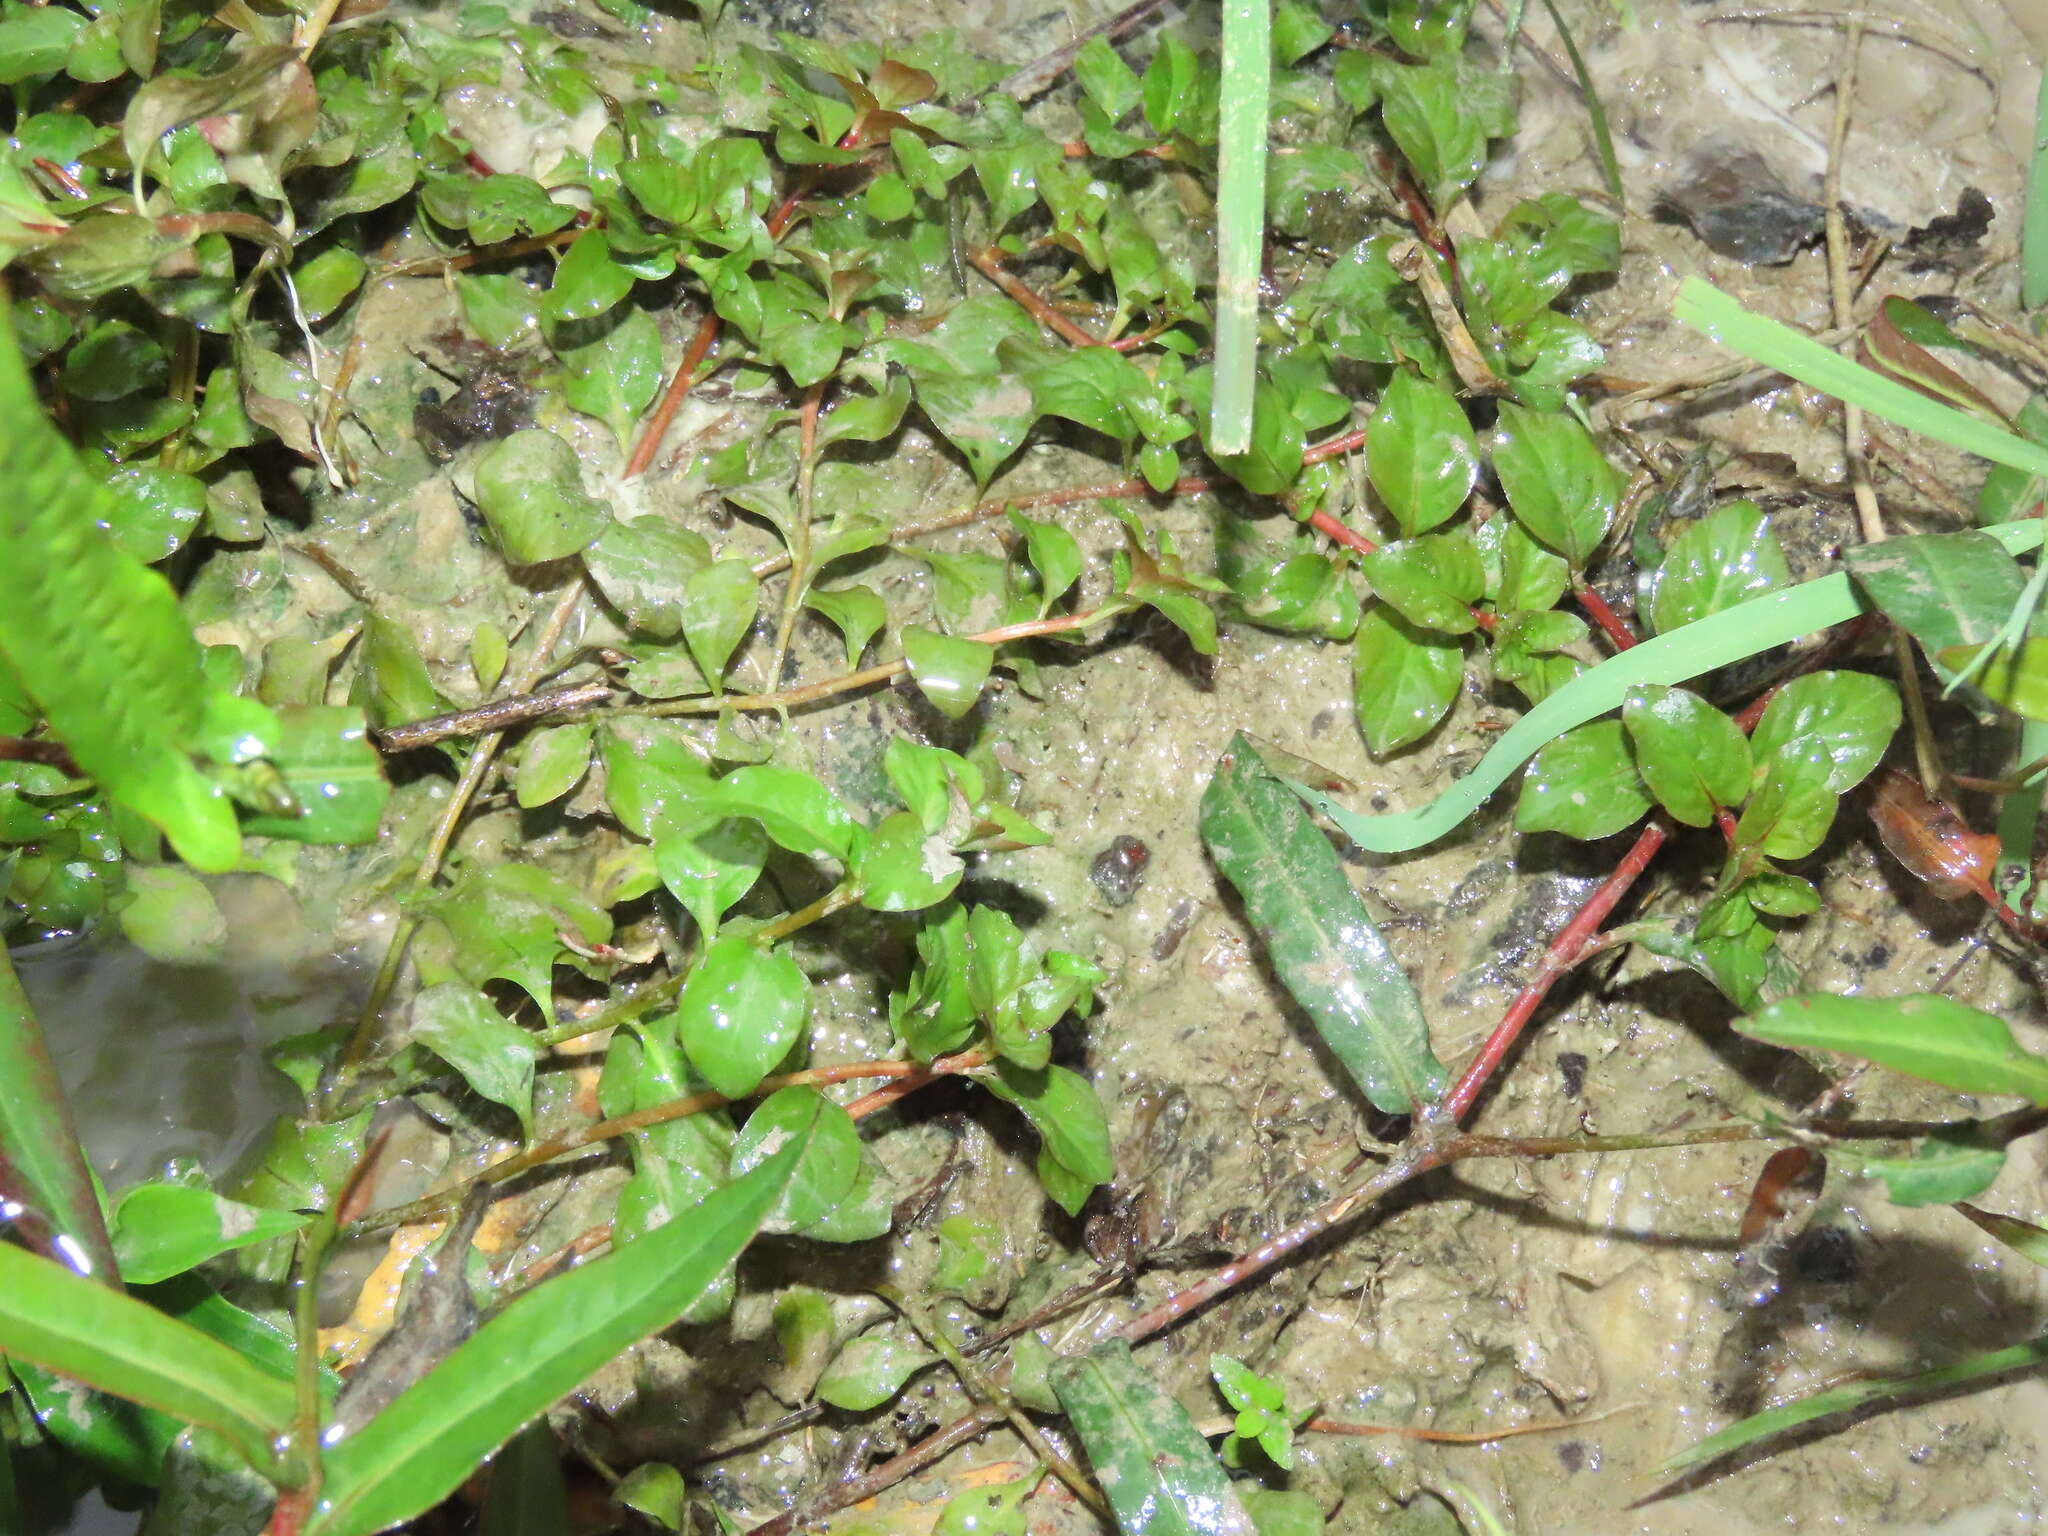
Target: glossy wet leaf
point(905, 868)
point(948, 670)
point(872, 1369)
point(508, 921)
point(1432, 582)
point(1950, 1165)
point(112, 1436)
point(335, 773)
point(1157, 1470)
point(828, 1161)
point(1585, 784)
point(100, 1335)
point(1328, 954)
point(858, 613)
point(534, 1352)
point(1922, 1035)
point(1775, 1421)
point(1425, 112)
point(1054, 555)
point(654, 1489)
point(739, 1012)
point(865, 418)
point(501, 307)
point(1852, 714)
point(709, 870)
point(552, 763)
point(588, 282)
point(97, 639)
point(1944, 589)
point(1403, 679)
point(171, 916)
point(719, 604)
point(1694, 758)
point(1727, 557)
point(793, 807)
point(641, 567)
point(493, 1055)
point(1789, 814)
point(614, 374)
point(161, 1229)
point(41, 1164)
point(532, 496)
point(1560, 485)
point(1063, 1108)
point(1420, 453)
point(2018, 679)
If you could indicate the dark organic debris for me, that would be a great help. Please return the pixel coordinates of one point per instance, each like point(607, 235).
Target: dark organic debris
point(1950, 239)
point(492, 402)
point(1728, 196)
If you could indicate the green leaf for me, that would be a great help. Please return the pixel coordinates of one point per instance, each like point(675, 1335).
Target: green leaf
point(533, 498)
point(858, 613)
point(1426, 114)
point(532, 1354)
point(1791, 811)
point(1054, 555)
point(161, 1229)
point(1560, 485)
point(949, 671)
point(709, 870)
point(641, 567)
point(1922, 1035)
point(795, 808)
point(1952, 1164)
point(171, 916)
point(739, 1012)
point(1404, 679)
point(99, 1335)
point(1065, 1112)
point(503, 309)
point(865, 418)
point(2022, 1237)
point(588, 282)
point(1108, 81)
point(552, 763)
point(904, 868)
point(494, 1056)
point(720, 601)
point(1773, 1421)
point(1420, 453)
point(613, 375)
point(1944, 589)
point(507, 921)
point(872, 1369)
point(2018, 680)
point(1853, 715)
point(1432, 582)
point(1727, 557)
point(1160, 1475)
point(333, 770)
point(829, 1162)
point(97, 639)
point(1584, 784)
point(1694, 758)
point(1323, 944)
point(159, 510)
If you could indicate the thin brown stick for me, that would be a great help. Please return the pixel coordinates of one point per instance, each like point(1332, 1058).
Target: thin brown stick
point(1037, 77)
point(498, 715)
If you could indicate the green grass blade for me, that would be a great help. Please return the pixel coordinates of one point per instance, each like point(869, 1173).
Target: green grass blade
point(535, 1352)
point(1719, 318)
point(1603, 141)
point(40, 1162)
point(2034, 235)
point(1240, 217)
point(1771, 1421)
point(107, 1339)
point(1328, 954)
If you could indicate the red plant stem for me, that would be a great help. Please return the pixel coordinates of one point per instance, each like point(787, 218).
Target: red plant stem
point(988, 263)
point(1612, 624)
point(679, 387)
point(1315, 453)
point(1563, 951)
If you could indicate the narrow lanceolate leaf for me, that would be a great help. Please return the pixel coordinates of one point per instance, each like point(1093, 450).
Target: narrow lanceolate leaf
point(2022, 1237)
point(105, 1338)
point(1944, 589)
point(96, 637)
point(1241, 215)
point(1924, 1036)
point(418, 1451)
point(1772, 1421)
point(1326, 950)
point(41, 1166)
point(1159, 1473)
